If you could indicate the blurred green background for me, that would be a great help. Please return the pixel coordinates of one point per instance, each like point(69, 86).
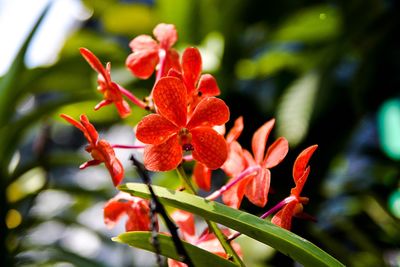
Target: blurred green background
point(328, 71)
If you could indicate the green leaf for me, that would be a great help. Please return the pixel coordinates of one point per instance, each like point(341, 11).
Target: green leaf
point(286, 242)
point(199, 257)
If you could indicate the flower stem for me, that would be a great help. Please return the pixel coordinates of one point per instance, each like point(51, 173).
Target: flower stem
point(250, 170)
point(266, 214)
point(212, 225)
point(186, 181)
point(132, 98)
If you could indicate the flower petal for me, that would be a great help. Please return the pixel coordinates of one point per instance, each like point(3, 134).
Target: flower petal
point(209, 147)
point(171, 62)
point(208, 85)
point(258, 187)
point(236, 130)
point(166, 34)
point(210, 111)
point(296, 191)
point(284, 217)
point(233, 196)
point(235, 162)
point(74, 122)
point(94, 62)
point(185, 222)
point(139, 217)
point(113, 165)
point(90, 132)
point(259, 140)
point(202, 176)
point(191, 67)
point(114, 210)
point(169, 95)
point(276, 153)
point(142, 63)
point(143, 42)
point(163, 157)
point(123, 108)
point(301, 162)
point(155, 129)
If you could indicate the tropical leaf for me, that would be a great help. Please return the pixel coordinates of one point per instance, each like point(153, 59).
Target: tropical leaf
point(284, 241)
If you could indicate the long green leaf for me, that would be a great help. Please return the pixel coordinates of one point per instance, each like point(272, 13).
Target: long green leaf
point(284, 241)
point(199, 257)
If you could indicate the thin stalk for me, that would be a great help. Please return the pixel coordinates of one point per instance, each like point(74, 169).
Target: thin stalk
point(133, 98)
point(159, 208)
point(274, 209)
point(249, 171)
point(213, 226)
point(186, 181)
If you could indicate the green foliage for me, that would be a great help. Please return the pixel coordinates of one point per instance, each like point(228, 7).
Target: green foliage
point(199, 257)
point(288, 243)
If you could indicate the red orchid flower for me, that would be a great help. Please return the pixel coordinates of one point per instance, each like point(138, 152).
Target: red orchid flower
point(198, 86)
point(100, 150)
point(300, 174)
point(171, 131)
point(206, 240)
point(147, 52)
point(256, 186)
point(137, 210)
point(202, 174)
point(110, 89)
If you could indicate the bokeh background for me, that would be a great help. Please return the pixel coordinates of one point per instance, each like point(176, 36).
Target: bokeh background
point(328, 71)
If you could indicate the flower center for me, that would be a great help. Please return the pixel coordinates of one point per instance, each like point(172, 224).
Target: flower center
point(185, 137)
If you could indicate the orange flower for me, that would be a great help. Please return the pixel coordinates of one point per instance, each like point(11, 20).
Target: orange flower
point(100, 150)
point(171, 131)
point(255, 186)
point(207, 241)
point(137, 210)
point(300, 174)
point(110, 90)
point(147, 53)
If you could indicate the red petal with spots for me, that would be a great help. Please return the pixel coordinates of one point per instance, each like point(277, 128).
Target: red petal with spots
point(276, 153)
point(202, 176)
point(113, 165)
point(208, 85)
point(143, 42)
point(191, 67)
point(155, 129)
point(258, 187)
point(163, 157)
point(236, 130)
point(210, 111)
point(301, 162)
point(209, 147)
point(284, 217)
point(259, 140)
point(94, 62)
point(166, 34)
point(142, 63)
point(114, 210)
point(169, 95)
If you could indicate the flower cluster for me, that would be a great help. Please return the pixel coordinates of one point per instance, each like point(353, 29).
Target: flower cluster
point(184, 124)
